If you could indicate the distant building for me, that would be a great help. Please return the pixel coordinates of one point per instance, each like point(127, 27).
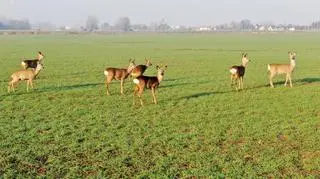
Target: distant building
point(291, 29)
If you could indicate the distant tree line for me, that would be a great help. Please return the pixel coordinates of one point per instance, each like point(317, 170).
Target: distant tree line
point(14, 24)
point(124, 24)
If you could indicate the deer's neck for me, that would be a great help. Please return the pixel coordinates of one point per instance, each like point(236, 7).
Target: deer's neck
point(36, 72)
point(160, 77)
point(129, 70)
point(244, 63)
point(292, 64)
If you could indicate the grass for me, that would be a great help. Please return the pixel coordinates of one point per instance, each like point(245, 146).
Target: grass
point(67, 127)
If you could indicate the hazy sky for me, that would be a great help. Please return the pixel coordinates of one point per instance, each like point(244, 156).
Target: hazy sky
point(179, 12)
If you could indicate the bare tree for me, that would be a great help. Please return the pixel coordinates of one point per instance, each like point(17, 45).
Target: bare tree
point(246, 24)
point(92, 23)
point(315, 25)
point(123, 23)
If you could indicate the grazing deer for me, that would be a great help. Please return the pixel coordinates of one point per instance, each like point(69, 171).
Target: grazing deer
point(237, 72)
point(149, 82)
point(118, 74)
point(24, 75)
point(139, 70)
point(287, 69)
point(32, 63)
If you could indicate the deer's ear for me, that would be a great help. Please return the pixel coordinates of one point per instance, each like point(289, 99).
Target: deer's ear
point(157, 67)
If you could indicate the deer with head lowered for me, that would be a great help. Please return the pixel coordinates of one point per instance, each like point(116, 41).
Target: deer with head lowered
point(118, 74)
point(149, 82)
point(237, 72)
point(24, 75)
point(140, 69)
point(287, 69)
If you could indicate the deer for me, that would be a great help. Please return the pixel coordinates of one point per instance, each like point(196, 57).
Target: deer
point(149, 82)
point(277, 69)
point(32, 63)
point(24, 75)
point(140, 69)
point(118, 74)
point(237, 72)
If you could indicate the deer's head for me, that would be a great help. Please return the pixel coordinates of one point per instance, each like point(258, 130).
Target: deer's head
point(131, 66)
point(161, 69)
point(245, 59)
point(292, 55)
point(40, 56)
point(148, 62)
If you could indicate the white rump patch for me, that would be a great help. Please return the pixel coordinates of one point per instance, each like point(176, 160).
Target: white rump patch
point(106, 73)
point(269, 67)
point(136, 81)
point(233, 71)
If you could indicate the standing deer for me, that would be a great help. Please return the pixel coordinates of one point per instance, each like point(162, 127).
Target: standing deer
point(24, 75)
point(140, 69)
point(118, 74)
point(149, 82)
point(237, 72)
point(32, 63)
point(287, 69)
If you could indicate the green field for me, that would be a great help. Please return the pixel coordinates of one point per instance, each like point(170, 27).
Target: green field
point(201, 127)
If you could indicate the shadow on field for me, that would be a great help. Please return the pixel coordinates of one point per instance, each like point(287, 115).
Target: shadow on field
point(176, 79)
point(71, 87)
point(173, 85)
point(308, 80)
point(197, 95)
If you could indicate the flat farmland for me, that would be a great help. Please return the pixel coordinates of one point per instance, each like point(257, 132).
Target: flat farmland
point(67, 127)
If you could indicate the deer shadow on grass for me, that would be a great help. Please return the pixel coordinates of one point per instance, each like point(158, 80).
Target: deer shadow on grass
point(305, 81)
point(205, 94)
point(173, 85)
point(183, 83)
point(197, 95)
point(50, 89)
point(69, 87)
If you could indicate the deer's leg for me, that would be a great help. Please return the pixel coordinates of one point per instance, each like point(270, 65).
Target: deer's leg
point(9, 86)
point(153, 95)
point(136, 89)
point(27, 85)
point(121, 86)
point(31, 84)
point(290, 80)
point(231, 78)
point(270, 80)
point(287, 77)
point(107, 81)
point(12, 85)
point(239, 83)
point(15, 84)
point(141, 88)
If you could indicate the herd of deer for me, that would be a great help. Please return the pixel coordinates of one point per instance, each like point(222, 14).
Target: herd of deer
point(149, 82)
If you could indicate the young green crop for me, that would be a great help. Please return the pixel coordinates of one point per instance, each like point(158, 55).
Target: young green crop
point(68, 127)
